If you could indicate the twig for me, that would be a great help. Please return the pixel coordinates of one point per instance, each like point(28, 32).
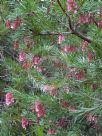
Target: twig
point(54, 33)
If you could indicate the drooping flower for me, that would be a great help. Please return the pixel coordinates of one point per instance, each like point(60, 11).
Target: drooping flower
point(90, 57)
point(71, 6)
point(83, 19)
point(84, 46)
point(53, 92)
point(100, 24)
point(13, 26)
point(26, 65)
point(39, 109)
point(9, 98)
point(62, 122)
point(80, 75)
point(38, 106)
point(51, 89)
point(21, 56)
point(40, 113)
point(68, 49)
point(38, 68)
point(36, 60)
point(46, 88)
point(16, 44)
point(51, 132)
point(16, 23)
point(24, 122)
point(72, 72)
point(94, 86)
point(60, 39)
point(65, 104)
point(70, 75)
point(31, 122)
point(91, 118)
point(8, 23)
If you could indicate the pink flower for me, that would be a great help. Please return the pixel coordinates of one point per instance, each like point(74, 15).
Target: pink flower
point(70, 1)
point(38, 68)
point(71, 6)
point(73, 69)
point(100, 24)
point(68, 49)
point(8, 24)
point(40, 113)
point(53, 92)
point(21, 56)
point(26, 65)
point(16, 44)
point(9, 98)
point(46, 88)
point(51, 89)
point(65, 104)
point(84, 46)
point(39, 109)
point(24, 122)
point(62, 122)
point(80, 75)
point(38, 106)
point(70, 74)
point(60, 39)
point(51, 132)
point(92, 118)
point(36, 60)
point(16, 23)
point(83, 19)
point(90, 57)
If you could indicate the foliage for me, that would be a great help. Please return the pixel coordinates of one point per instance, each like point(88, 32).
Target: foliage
point(52, 54)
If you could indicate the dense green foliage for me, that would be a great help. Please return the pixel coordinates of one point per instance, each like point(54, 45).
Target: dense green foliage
point(67, 80)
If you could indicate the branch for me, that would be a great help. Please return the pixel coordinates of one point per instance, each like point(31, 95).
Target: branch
point(69, 19)
point(82, 36)
point(74, 31)
point(50, 33)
